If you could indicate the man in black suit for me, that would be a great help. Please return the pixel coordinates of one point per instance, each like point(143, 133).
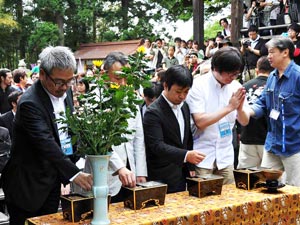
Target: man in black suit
point(168, 136)
point(32, 177)
point(6, 119)
point(5, 89)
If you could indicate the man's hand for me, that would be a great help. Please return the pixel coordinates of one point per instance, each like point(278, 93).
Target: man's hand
point(237, 98)
point(127, 177)
point(140, 179)
point(84, 180)
point(194, 157)
point(65, 190)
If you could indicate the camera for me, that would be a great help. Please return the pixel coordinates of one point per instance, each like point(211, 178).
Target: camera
point(220, 45)
point(257, 3)
point(246, 44)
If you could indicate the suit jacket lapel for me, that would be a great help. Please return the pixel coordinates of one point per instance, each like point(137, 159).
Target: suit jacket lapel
point(171, 118)
point(49, 107)
point(186, 116)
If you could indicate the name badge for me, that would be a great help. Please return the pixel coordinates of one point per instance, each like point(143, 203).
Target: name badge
point(224, 129)
point(274, 114)
point(66, 146)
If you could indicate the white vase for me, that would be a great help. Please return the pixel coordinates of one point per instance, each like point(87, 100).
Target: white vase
point(99, 165)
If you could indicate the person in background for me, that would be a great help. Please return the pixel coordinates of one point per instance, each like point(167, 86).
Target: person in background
point(83, 86)
point(127, 166)
point(252, 49)
point(170, 60)
point(158, 53)
point(6, 80)
point(226, 32)
point(6, 119)
point(213, 46)
point(193, 64)
point(293, 33)
point(168, 136)
point(253, 135)
point(179, 51)
point(150, 95)
point(32, 177)
point(280, 103)
point(216, 100)
point(20, 79)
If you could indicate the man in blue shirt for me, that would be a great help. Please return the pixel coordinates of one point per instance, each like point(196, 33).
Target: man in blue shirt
point(280, 101)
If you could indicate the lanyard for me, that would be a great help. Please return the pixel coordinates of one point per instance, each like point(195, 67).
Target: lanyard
point(283, 126)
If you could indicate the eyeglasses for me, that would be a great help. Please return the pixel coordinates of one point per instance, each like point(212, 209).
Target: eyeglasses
point(61, 83)
point(233, 75)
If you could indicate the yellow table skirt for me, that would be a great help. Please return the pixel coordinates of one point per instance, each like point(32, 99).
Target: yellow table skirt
point(233, 207)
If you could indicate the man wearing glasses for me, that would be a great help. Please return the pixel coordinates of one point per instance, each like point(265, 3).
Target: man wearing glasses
point(38, 165)
point(216, 100)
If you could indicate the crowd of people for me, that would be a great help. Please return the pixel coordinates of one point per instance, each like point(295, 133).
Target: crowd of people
point(198, 99)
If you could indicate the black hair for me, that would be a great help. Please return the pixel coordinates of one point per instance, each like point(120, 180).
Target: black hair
point(158, 39)
point(179, 75)
point(13, 97)
point(18, 74)
point(154, 91)
point(177, 39)
point(263, 65)
point(253, 28)
point(3, 72)
point(86, 84)
point(223, 19)
point(227, 59)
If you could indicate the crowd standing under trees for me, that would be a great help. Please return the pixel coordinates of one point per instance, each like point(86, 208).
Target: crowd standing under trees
point(185, 55)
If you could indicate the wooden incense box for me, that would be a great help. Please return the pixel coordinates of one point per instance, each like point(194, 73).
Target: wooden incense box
point(205, 185)
point(144, 195)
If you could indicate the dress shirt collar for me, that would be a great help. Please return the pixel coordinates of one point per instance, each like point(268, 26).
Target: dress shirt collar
point(173, 106)
point(287, 73)
point(215, 82)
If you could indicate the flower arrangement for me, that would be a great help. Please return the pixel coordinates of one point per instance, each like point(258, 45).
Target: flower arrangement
point(101, 119)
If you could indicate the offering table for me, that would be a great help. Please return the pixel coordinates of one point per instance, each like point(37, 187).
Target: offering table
point(234, 206)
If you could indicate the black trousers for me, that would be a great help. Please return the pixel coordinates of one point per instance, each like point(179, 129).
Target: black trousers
point(18, 215)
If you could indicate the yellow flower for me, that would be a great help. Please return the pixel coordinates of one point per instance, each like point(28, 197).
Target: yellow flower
point(141, 49)
point(114, 86)
point(97, 63)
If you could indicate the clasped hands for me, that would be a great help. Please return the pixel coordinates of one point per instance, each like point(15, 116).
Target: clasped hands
point(237, 99)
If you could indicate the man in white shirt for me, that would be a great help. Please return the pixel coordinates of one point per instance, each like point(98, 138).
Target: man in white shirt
point(128, 163)
point(216, 100)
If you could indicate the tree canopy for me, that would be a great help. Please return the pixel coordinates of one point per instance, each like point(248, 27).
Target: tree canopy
point(29, 26)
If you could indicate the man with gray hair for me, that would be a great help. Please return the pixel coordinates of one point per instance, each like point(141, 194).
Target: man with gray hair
point(32, 178)
point(280, 102)
point(130, 161)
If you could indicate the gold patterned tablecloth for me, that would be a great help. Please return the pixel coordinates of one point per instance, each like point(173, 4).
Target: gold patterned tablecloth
point(233, 207)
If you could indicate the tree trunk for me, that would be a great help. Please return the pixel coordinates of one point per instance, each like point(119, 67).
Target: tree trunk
point(198, 21)
point(125, 8)
point(236, 21)
point(60, 23)
point(19, 15)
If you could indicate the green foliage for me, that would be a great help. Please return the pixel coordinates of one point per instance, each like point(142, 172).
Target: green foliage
point(102, 119)
point(212, 30)
point(84, 21)
point(44, 34)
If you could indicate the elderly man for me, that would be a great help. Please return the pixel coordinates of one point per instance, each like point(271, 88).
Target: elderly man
point(32, 177)
point(130, 161)
point(280, 102)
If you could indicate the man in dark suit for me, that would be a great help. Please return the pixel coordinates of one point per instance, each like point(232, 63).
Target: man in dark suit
point(5, 89)
point(168, 136)
point(32, 177)
point(6, 119)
